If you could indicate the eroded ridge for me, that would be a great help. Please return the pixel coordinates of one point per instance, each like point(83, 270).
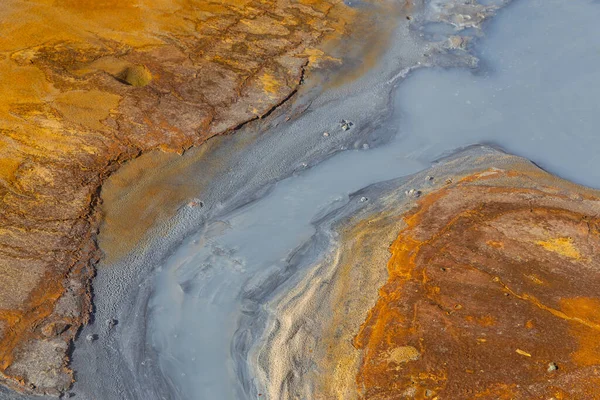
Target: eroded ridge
point(90, 84)
point(492, 293)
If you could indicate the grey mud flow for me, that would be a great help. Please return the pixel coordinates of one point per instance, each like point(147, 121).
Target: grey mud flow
point(192, 306)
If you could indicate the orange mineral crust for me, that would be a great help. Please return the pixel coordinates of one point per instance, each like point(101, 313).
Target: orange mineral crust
point(88, 85)
point(492, 293)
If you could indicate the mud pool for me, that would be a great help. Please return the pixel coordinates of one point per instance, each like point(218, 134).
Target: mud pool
point(533, 93)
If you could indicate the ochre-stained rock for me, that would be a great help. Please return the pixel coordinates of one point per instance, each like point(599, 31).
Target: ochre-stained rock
point(87, 85)
point(491, 292)
point(492, 285)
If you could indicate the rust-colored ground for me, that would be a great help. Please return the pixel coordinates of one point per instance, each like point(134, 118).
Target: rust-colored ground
point(492, 294)
point(142, 195)
point(88, 85)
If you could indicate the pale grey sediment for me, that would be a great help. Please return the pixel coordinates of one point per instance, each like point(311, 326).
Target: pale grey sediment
point(123, 362)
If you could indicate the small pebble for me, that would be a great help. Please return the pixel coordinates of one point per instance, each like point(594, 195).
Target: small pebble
point(429, 178)
point(552, 367)
point(365, 146)
point(111, 323)
point(363, 199)
point(345, 125)
point(413, 193)
point(195, 203)
point(91, 337)
point(326, 134)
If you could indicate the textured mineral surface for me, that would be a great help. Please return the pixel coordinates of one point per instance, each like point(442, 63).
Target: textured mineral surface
point(88, 85)
point(490, 292)
point(490, 283)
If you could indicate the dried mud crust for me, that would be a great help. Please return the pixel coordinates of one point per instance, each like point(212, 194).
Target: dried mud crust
point(88, 85)
point(492, 293)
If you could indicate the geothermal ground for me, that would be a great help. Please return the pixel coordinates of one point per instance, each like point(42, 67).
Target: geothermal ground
point(478, 292)
point(300, 200)
point(89, 85)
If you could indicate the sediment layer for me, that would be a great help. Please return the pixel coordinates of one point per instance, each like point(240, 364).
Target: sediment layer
point(88, 85)
point(490, 292)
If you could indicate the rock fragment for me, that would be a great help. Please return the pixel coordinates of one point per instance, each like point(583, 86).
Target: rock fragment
point(552, 367)
point(91, 337)
point(346, 125)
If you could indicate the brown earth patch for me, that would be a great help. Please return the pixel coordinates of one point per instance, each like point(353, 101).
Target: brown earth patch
point(492, 294)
